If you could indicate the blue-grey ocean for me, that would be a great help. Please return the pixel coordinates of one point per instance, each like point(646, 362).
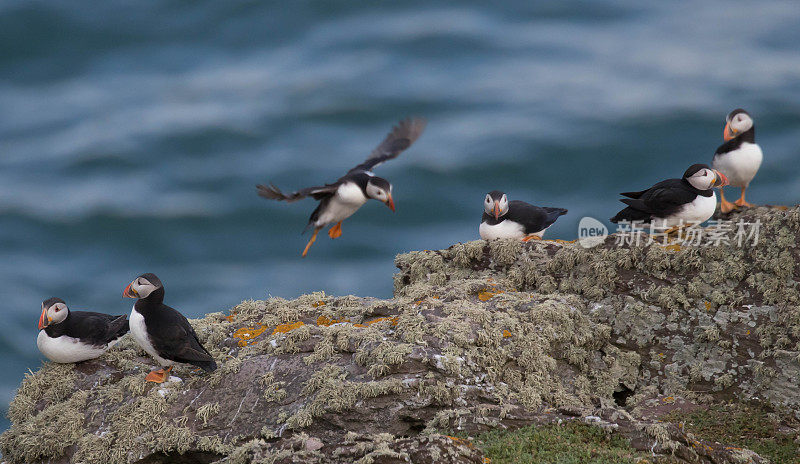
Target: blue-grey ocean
point(132, 134)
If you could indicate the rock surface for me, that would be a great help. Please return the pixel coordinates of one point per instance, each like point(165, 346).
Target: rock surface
point(482, 335)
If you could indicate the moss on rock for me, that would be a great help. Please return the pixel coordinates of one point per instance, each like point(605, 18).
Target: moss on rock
point(479, 336)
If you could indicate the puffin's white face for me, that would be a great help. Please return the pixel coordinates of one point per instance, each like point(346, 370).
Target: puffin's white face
point(705, 179)
point(740, 122)
point(496, 207)
point(53, 314)
point(139, 288)
point(381, 194)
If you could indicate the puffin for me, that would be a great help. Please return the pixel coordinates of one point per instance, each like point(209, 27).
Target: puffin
point(515, 219)
point(675, 202)
point(164, 333)
point(72, 336)
point(339, 200)
point(739, 157)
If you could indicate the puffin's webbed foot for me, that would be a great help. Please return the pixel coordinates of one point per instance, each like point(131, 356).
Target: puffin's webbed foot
point(335, 231)
point(528, 238)
point(742, 202)
point(159, 376)
point(725, 206)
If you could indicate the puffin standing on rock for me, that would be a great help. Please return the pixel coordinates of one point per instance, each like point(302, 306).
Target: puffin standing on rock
point(515, 219)
point(339, 200)
point(164, 333)
point(739, 157)
point(675, 202)
point(71, 336)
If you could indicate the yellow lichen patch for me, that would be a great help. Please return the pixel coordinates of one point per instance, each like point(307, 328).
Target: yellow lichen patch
point(486, 295)
point(317, 304)
point(506, 334)
point(668, 399)
point(325, 321)
point(286, 328)
point(461, 441)
point(708, 305)
point(673, 247)
point(248, 333)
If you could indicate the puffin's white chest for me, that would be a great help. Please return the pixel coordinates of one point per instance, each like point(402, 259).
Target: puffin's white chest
point(139, 331)
point(66, 349)
point(741, 165)
point(346, 201)
point(697, 211)
point(505, 229)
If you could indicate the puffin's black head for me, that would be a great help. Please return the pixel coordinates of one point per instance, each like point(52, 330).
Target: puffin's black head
point(702, 177)
point(380, 189)
point(737, 122)
point(144, 286)
point(54, 310)
point(496, 204)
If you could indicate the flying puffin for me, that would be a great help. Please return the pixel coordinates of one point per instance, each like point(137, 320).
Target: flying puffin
point(739, 157)
point(339, 200)
point(515, 219)
point(71, 336)
point(674, 202)
point(161, 331)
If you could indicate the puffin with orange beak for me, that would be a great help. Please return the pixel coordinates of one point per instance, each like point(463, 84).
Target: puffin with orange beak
point(339, 200)
point(515, 219)
point(164, 333)
point(739, 157)
point(675, 202)
point(72, 336)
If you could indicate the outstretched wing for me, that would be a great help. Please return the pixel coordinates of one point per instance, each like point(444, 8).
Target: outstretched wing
point(401, 137)
point(272, 192)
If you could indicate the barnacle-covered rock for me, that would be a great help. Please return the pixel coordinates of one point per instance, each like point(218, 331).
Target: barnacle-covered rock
point(479, 336)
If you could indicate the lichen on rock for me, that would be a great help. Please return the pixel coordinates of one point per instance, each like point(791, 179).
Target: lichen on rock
point(479, 336)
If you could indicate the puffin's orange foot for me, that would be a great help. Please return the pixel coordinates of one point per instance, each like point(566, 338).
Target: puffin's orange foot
point(528, 238)
point(158, 376)
point(726, 206)
point(335, 231)
point(310, 242)
point(741, 202)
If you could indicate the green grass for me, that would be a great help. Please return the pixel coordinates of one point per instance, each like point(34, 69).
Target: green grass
point(742, 426)
point(570, 443)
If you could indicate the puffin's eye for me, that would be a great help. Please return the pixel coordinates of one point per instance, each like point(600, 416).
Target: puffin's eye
point(58, 309)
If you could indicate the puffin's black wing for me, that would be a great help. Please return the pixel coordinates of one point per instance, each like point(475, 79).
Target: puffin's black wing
point(117, 327)
point(533, 218)
point(318, 193)
point(633, 194)
point(401, 137)
point(175, 339)
point(661, 200)
point(94, 328)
